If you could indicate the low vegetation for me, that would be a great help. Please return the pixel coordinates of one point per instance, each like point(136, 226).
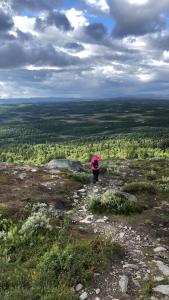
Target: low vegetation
point(136, 187)
point(39, 262)
point(111, 202)
point(83, 178)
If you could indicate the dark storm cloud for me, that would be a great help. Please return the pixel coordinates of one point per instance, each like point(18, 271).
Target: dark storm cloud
point(137, 19)
point(6, 21)
point(56, 19)
point(96, 31)
point(14, 55)
point(35, 5)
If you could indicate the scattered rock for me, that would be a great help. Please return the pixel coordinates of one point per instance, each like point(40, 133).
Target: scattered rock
point(162, 289)
point(123, 283)
point(103, 220)
point(87, 220)
point(121, 235)
point(159, 249)
point(131, 266)
point(22, 176)
point(136, 283)
point(97, 291)
point(83, 296)
point(158, 278)
point(82, 191)
point(162, 267)
point(79, 287)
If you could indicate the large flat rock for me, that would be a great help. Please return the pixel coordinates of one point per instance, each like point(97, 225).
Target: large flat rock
point(72, 165)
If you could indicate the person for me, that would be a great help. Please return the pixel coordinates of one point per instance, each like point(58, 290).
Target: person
point(94, 163)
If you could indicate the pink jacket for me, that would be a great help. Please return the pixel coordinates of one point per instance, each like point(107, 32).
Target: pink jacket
point(95, 157)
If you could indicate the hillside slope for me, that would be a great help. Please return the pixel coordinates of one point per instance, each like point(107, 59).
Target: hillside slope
point(62, 237)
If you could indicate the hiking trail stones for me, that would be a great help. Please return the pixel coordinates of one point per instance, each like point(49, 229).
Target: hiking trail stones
point(123, 283)
point(162, 267)
point(162, 289)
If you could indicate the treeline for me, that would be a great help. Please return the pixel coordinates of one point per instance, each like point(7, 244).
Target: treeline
point(120, 147)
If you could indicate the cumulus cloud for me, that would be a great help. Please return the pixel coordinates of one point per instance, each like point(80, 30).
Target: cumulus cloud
point(54, 18)
point(15, 55)
point(98, 5)
point(134, 19)
point(34, 5)
point(6, 21)
point(42, 43)
point(96, 31)
point(75, 47)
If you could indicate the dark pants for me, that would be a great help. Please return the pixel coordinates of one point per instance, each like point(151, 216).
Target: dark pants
point(95, 175)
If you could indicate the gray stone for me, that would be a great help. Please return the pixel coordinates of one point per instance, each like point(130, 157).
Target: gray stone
point(158, 278)
point(97, 291)
point(83, 296)
point(82, 191)
point(22, 176)
point(159, 249)
point(122, 234)
point(136, 283)
point(87, 220)
point(131, 266)
point(162, 267)
point(103, 220)
point(162, 289)
point(79, 287)
point(72, 165)
point(123, 283)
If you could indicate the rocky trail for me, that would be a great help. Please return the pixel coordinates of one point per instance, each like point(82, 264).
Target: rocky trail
point(142, 271)
point(145, 259)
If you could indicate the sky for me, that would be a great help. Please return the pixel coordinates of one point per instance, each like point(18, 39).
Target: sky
point(84, 48)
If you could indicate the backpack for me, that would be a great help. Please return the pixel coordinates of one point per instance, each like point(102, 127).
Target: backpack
point(95, 164)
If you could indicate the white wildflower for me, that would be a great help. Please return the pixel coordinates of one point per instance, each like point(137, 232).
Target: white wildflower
point(37, 221)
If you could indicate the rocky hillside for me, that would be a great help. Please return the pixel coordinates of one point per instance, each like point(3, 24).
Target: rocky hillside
point(117, 227)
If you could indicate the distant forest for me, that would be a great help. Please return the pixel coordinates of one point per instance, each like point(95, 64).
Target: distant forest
point(38, 133)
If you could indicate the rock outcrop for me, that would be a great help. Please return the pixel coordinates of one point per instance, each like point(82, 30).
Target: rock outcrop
point(65, 164)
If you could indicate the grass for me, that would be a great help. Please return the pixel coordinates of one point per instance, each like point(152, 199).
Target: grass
point(136, 187)
point(112, 202)
point(83, 178)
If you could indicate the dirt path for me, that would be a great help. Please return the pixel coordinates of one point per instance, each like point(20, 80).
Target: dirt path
point(138, 265)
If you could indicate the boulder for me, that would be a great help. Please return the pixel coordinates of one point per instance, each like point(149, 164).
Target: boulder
point(72, 165)
point(162, 289)
point(162, 267)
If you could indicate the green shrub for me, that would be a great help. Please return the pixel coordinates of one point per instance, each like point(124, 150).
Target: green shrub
point(112, 202)
point(163, 187)
point(74, 263)
point(83, 178)
point(151, 175)
point(135, 187)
